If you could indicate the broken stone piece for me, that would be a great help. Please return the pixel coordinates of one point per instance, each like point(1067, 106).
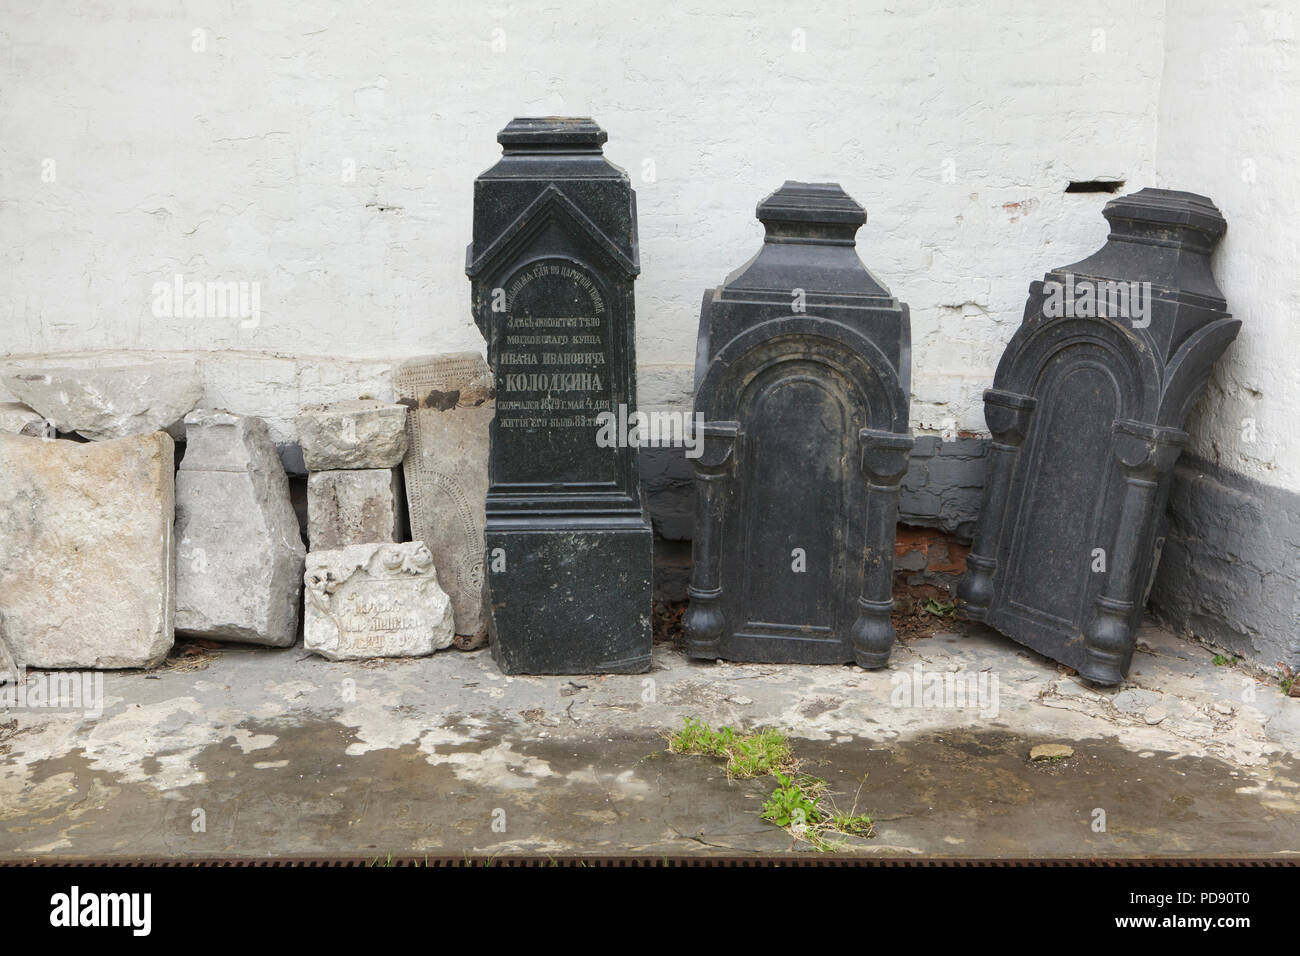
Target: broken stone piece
point(1154, 715)
point(10, 672)
point(1050, 752)
point(113, 402)
point(17, 419)
point(86, 571)
point(375, 600)
point(362, 506)
point(239, 554)
point(363, 433)
point(451, 401)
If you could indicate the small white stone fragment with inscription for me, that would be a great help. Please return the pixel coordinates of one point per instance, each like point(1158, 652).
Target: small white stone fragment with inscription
point(375, 600)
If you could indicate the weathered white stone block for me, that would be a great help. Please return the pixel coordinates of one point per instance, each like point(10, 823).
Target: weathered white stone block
point(361, 506)
point(10, 671)
point(111, 402)
point(362, 433)
point(451, 401)
point(239, 554)
point(17, 419)
point(375, 600)
point(86, 571)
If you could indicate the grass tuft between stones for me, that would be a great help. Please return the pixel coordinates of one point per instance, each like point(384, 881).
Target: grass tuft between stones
point(749, 755)
point(801, 803)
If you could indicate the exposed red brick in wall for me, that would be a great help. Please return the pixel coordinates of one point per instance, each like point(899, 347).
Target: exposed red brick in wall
point(918, 550)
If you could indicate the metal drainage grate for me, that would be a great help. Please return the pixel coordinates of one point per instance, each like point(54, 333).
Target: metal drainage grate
point(642, 861)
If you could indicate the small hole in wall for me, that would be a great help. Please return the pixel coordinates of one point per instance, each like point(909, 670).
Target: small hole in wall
point(1096, 186)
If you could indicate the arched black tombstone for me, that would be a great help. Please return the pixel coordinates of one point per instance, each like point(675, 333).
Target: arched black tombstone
point(1086, 415)
point(802, 380)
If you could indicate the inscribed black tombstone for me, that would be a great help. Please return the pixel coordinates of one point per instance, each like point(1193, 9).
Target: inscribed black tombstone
point(1086, 415)
point(802, 378)
point(568, 539)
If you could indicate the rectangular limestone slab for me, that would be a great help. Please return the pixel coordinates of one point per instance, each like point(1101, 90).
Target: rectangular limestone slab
point(362, 506)
point(86, 569)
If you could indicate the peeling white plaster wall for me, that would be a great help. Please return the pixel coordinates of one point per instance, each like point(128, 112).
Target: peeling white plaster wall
point(957, 125)
point(1230, 128)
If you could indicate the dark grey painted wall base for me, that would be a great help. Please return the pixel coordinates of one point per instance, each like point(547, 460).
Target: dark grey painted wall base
point(1229, 571)
point(1230, 568)
point(942, 489)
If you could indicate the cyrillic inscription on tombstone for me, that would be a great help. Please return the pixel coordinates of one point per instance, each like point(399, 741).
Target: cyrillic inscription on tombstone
point(553, 372)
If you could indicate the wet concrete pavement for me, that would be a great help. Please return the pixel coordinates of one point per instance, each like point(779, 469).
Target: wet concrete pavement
point(265, 752)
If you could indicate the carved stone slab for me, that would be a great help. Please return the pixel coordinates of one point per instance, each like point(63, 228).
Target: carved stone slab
point(1086, 413)
point(375, 600)
point(450, 401)
point(87, 577)
point(239, 555)
point(802, 381)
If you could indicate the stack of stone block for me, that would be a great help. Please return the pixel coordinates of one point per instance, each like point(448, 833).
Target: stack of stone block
point(352, 450)
point(369, 593)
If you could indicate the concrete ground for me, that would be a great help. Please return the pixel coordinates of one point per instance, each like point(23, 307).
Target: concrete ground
point(270, 752)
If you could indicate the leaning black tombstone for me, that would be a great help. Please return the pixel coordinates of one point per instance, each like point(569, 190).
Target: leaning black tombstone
point(568, 539)
point(1086, 415)
point(802, 381)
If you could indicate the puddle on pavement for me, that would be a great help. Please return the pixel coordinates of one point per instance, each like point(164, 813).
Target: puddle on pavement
point(961, 794)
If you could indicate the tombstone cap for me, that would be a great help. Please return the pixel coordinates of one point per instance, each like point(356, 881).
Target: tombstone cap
point(811, 212)
point(1167, 208)
point(552, 134)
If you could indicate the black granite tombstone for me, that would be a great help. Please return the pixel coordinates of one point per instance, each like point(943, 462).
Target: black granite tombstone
point(802, 380)
point(568, 539)
point(1086, 414)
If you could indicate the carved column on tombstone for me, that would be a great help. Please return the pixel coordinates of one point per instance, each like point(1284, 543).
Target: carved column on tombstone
point(704, 620)
point(1144, 454)
point(884, 462)
point(1007, 415)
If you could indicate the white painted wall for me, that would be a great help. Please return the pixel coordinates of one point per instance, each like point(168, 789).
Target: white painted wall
point(1229, 127)
point(957, 125)
point(227, 164)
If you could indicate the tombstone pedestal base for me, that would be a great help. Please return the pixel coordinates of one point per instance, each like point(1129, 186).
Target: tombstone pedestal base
point(570, 600)
point(795, 647)
point(1069, 648)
